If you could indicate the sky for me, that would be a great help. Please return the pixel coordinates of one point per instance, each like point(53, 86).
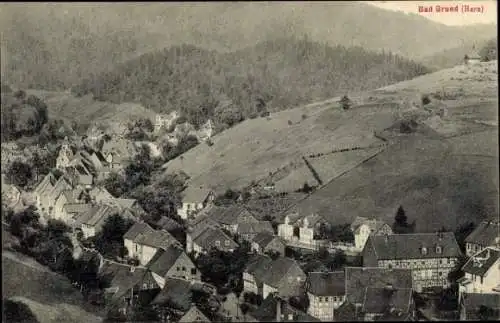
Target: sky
point(488, 16)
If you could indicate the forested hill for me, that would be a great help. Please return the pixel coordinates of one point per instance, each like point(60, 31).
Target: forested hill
point(273, 75)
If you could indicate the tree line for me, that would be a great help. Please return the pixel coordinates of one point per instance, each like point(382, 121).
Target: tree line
point(230, 87)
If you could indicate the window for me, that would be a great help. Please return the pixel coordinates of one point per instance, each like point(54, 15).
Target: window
point(193, 271)
point(217, 243)
point(226, 243)
point(326, 299)
point(178, 268)
point(144, 286)
point(290, 317)
point(440, 274)
point(320, 299)
point(334, 298)
point(183, 268)
point(424, 250)
point(438, 249)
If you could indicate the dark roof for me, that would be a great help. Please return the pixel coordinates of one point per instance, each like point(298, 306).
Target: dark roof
point(326, 283)
point(122, 277)
point(46, 184)
point(258, 265)
point(357, 279)
point(96, 214)
point(473, 301)
point(266, 312)
point(168, 224)
point(232, 215)
point(346, 312)
point(163, 260)
point(194, 315)
point(277, 270)
point(136, 229)
point(176, 293)
point(382, 300)
point(156, 238)
point(257, 227)
point(207, 239)
point(481, 262)
point(195, 194)
point(409, 246)
point(77, 207)
point(485, 234)
point(263, 238)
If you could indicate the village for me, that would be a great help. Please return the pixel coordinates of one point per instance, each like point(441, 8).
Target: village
point(248, 268)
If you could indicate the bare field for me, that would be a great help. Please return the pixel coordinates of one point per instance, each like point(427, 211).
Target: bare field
point(436, 187)
point(51, 296)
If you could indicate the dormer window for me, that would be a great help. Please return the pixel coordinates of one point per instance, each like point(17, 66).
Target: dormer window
point(217, 243)
point(438, 249)
point(424, 250)
point(226, 243)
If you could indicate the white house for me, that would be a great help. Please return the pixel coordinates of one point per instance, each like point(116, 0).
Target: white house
point(302, 230)
point(195, 199)
point(326, 292)
point(143, 242)
point(364, 227)
point(472, 58)
point(482, 272)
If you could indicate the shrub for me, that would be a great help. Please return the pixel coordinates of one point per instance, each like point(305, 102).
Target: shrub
point(304, 116)
point(425, 99)
point(290, 122)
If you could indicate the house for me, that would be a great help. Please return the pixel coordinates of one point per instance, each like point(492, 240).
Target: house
point(430, 256)
point(480, 306)
point(48, 200)
point(482, 272)
point(326, 292)
point(302, 229)
point(118, 152)
point(125, 284)
point(67, 197)
point(388, 301)
point(276, 309)
point(131, 205)
point(264, 276)
point(175, 294)
point(363, 227)
point(92, 220)
point(173, 262)
point(472, 58)
point(165, 120)
point(213, 238)
point(100, 194)
point(249, 230)
point(74, 211)
point(143, 242)
point(231, 217)
point(79, 174)
point(267, 242)
point(66, 154)
point(194, 199)
point(42, 189)
point(487, 233)
point(194, 315)
point(357, 279)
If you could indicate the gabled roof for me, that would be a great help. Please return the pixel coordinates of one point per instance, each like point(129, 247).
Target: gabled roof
point(266, 312)
point(46, 184)
point(156, 239)
point(176, 293)
point(264, 238)
point(61, 185)
point(195, 194)
point(485, 233)
point(481, 262)
point(258, 265)
point(136, 229)
point(383, 300)
point(96, 215)
point(100, 193)
point(163, 260)
point(235, 214)
point(374, 224)
point(410, 246)
point(312, 220)
point(77, 208)
point(194, 315)
point(208, 238)
point(326, 283)
point(357, 279)
point(121, 277)
point(168, 224)
point(124, 203)
point(277, 270)
point(255, 227)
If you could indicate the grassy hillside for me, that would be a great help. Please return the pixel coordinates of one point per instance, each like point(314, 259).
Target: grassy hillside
point(50, 296)
point(270, 76)
point(407, 169)
point(54, 46)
